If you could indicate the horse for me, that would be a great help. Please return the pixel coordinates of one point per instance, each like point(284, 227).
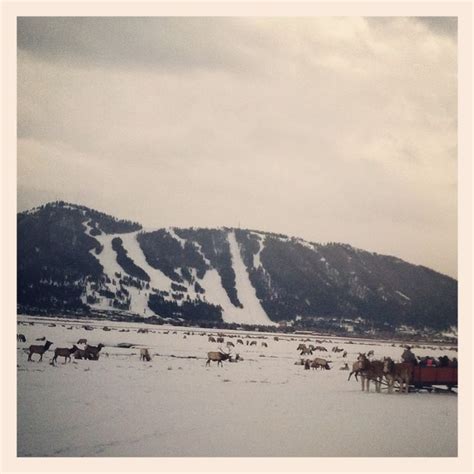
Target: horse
point(371, 370)
point(400, 372)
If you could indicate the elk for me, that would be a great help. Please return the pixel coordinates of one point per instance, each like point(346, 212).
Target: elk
point(92, 352)
point(145, 355)
point(82, 341)
point(40, 338)
point(320, 348)
point(217, 357)
point(276, 338)
point(64, 352)
point(264, 344)
point(20, 338)
point(39, 350)
point(370, 353)
point(239, 341)
point(400, 372)
point(301, 347)
point(230, 344)
point(80, 354)
point(253, 343)
point(211, 339)
point(319, 363)
point(306, 351)
point(220, 339)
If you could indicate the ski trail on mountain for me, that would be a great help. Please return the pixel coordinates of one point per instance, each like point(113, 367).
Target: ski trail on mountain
point(252, 311)
point(158, 279)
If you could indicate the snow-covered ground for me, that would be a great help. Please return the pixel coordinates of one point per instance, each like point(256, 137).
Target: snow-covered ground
point(176, 406)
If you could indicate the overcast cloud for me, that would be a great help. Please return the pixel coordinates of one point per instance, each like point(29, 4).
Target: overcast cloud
point(331, 129)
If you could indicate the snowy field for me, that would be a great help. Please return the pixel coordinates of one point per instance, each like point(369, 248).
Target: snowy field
point(264, 405)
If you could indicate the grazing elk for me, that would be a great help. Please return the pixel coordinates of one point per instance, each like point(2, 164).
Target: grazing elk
point(253, 343)
point(39, 350)
point(230, 344)
point(82, 341)
point(220, 339)
point(301, 347)
point(92, 352)
point(320, 348)
point(80, 354)
point(211, 339)
point(397, 372)
point(239, 341)
point(345, 354)
point(20, 338)
point(275, 338)
point(319, 363)
point(264, 344)
point(64, 352)
point(40, 338)
point(306, 351)
point(217, 357)
point(145, 355)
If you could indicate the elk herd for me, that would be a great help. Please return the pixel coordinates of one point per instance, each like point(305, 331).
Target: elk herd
point(381, 372)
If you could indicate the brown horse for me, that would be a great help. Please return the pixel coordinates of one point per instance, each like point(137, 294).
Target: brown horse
point(356, 369)
point(397, 372)
point(371, 370)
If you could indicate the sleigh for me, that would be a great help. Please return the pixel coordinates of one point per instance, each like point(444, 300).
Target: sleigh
point(434, 378)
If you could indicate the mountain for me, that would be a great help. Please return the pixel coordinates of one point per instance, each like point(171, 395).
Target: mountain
point(75, 259)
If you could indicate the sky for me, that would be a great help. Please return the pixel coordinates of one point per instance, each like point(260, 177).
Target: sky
point(333, 129)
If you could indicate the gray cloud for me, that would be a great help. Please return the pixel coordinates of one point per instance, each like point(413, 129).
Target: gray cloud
point(172, 42)
point(441, 25)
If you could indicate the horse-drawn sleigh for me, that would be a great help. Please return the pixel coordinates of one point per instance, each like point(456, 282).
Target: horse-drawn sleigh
point(434, 378)
point(404, 376)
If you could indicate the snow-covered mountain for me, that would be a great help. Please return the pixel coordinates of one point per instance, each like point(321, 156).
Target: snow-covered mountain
point(73, 258)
